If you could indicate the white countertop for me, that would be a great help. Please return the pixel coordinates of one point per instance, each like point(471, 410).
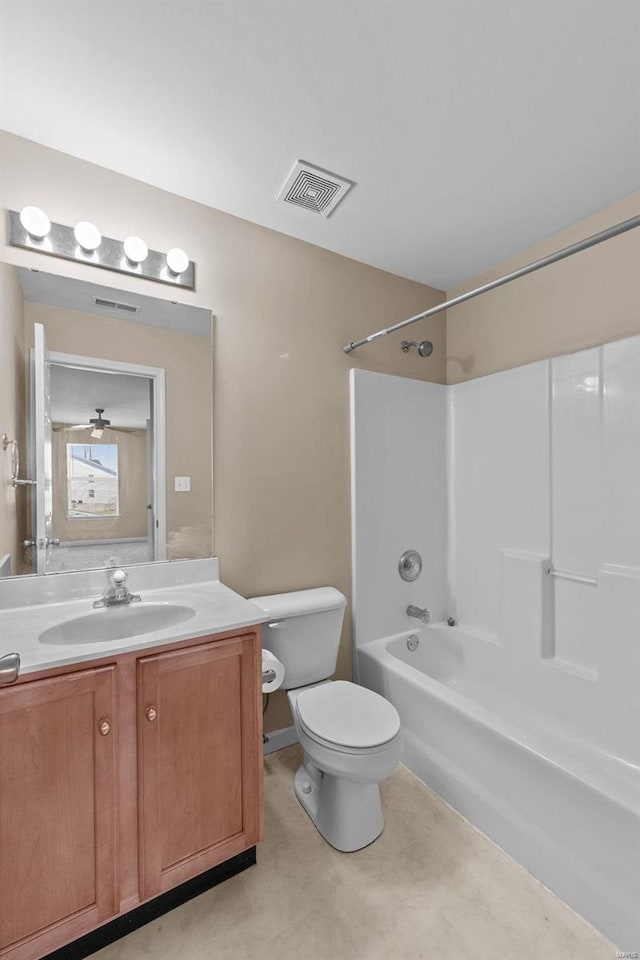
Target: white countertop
point(217, 609)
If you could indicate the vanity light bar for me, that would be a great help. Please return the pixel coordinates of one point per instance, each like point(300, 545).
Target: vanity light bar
point(32, 230)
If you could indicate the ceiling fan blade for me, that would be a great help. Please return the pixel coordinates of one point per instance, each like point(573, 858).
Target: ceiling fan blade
point(97, 424)
point(122, 429)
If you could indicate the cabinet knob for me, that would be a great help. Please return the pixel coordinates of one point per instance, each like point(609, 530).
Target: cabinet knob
point(104, 726)
point(151, 713)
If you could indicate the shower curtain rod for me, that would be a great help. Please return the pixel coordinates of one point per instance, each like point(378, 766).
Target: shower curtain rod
point(507, 278)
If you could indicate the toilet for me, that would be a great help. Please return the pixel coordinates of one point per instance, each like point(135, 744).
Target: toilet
point(351, 737)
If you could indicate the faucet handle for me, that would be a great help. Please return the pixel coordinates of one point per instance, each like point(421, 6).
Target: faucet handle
point(118, 577)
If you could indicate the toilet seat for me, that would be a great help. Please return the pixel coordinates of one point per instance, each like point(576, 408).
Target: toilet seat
point(346, 717)
point(348, 751)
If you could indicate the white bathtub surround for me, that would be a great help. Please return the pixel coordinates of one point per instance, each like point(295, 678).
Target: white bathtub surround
point(498, 484)
point(399, 499)
point(526, 716)
point(546, 474)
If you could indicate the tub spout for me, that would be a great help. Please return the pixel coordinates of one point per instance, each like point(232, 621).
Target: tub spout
point(419, 613)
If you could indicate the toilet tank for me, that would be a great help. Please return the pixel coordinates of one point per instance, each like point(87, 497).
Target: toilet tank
point(303, 632)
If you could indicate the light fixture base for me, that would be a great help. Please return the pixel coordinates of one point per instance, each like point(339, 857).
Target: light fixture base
point(110, 255)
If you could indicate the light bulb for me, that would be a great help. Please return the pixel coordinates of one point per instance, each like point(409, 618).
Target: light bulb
point(97, 432)
point(35, 222)
point(135, 249)
point(177, 260)
point(87, 235)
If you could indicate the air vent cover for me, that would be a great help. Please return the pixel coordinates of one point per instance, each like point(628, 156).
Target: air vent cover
point(115, 305)
point(314, 189)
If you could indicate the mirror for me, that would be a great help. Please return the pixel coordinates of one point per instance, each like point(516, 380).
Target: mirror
point(106, 425)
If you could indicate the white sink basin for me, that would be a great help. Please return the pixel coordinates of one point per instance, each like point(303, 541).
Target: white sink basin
point(117, 622)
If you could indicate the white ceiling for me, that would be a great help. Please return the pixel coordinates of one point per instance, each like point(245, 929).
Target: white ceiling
point(471, 129)
point(71, 294)
point(76, 393)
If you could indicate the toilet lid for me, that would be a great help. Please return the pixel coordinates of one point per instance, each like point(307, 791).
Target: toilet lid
point(348, 715)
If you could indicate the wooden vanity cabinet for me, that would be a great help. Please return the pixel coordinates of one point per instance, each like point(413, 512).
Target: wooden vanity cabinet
point(57, 808)
point(120, 780)
point(197, 772)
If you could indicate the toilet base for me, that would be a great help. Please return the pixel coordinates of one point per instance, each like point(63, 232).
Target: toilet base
point(346, 813)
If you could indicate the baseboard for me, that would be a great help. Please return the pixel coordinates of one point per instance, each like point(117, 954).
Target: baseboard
point(279, 739)
point(152, 909)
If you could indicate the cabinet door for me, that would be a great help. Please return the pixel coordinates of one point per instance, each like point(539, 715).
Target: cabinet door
point(57, 812)
point(199, 759)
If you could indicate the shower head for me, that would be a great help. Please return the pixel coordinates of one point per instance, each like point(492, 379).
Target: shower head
point(424, 348)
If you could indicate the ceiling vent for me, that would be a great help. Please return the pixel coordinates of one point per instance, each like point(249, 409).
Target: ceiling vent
point(115, 305)
point(314, 189)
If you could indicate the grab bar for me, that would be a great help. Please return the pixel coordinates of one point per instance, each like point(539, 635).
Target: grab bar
point(576, 577)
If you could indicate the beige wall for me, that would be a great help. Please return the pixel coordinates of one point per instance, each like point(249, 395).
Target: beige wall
point(186, 360)
point(132, 487)
point(588, 299)
point(281, 413)
point(283, 308)
point(13, 502)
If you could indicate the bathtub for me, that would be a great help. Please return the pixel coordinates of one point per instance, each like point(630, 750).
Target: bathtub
point(568, 811)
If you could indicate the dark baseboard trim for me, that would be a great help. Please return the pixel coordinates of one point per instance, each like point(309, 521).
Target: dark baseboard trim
point(138, 917)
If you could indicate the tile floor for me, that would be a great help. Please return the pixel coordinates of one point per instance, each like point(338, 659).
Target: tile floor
point(430, 887)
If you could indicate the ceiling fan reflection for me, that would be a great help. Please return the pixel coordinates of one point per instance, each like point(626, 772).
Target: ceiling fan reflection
point(97, 425)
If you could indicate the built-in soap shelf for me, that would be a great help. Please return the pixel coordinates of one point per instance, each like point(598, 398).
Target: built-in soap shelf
point(574, 669)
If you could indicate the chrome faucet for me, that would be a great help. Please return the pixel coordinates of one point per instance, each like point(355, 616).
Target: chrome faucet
point(419, 613)
point(117, 592)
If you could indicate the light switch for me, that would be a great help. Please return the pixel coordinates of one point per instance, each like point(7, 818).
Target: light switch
point(182, 484)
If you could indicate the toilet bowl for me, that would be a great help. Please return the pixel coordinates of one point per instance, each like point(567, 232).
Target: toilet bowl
point(351, 741)
point(350, 736)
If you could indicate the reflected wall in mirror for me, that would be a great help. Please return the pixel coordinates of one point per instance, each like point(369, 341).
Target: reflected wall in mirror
point(109, 397)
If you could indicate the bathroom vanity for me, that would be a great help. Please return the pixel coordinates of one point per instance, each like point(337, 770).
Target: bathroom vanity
point(131, 767)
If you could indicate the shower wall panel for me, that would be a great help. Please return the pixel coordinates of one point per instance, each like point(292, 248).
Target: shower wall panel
point(399, 499)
